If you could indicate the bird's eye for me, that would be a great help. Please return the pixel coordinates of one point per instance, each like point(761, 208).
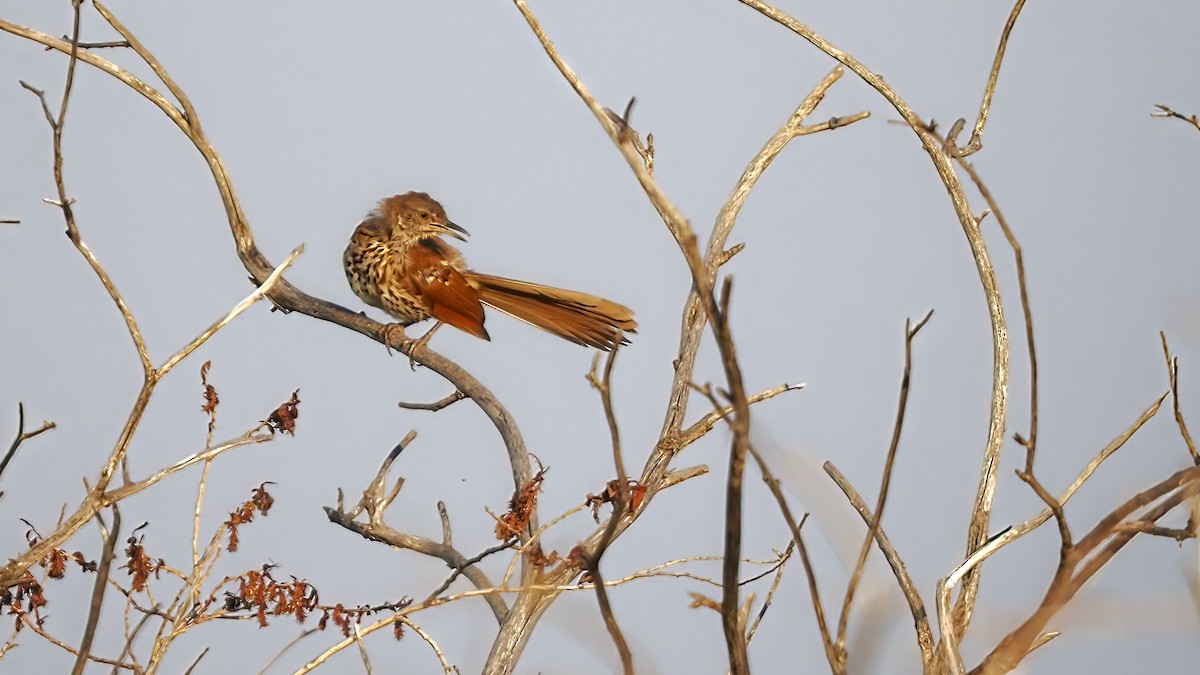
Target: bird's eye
point(424, 215)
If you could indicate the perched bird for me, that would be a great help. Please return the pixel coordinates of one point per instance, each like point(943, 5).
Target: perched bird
point(398, 262)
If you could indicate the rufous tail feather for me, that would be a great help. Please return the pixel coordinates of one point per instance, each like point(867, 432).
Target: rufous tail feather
point(578, 317)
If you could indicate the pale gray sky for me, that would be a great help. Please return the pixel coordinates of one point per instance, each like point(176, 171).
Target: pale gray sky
point(318, 111)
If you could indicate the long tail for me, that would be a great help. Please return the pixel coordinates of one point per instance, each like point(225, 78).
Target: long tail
point(578, 317)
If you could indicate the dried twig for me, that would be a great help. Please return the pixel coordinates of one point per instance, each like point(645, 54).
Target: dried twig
point(1084, 559)
point(621, 502)
point(915, 605)
point(910, 332)
point(102, 569)
point(976, 141)
point(762, 611)
point(981, 513)
point(1165, 111)
point(284, 295)
point(437, 651)
point(96, 499)
point(375, 500)
point(437, 405)
point(1173, 377)
point(22, 436)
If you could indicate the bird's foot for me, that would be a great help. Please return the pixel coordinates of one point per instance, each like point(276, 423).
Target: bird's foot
point(394, 334)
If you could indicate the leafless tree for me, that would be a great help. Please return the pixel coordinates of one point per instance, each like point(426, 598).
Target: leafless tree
point(535, 578)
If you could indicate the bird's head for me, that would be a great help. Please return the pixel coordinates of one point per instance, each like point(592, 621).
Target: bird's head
point(416, 215)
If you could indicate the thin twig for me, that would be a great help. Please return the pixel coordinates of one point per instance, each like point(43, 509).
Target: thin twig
point(102, 569)
point(981, 513)
point(22, 436)
point(437, 651)
point(705, 424)
point(1164, 111)
point(303, 634)
point(915, 606)
point(1092, 553)
point(977, 136)
point(196, 662)
point(259, 293)
point(1173, 376)
point(836, 658)
point(362, 648)
point(762, 611)
point(460, 567)
point(620, 503)
point(910, 333)
point(437, 405)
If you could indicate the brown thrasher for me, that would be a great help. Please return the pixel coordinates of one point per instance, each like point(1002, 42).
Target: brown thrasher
point(397, 261)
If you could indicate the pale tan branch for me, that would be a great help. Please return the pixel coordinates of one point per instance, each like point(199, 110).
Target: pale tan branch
point(910, 333)
point(1173, 378)
point(915, 605)
point(437, 651)
point(976, 141)
point(259, 293)
point(981, 513)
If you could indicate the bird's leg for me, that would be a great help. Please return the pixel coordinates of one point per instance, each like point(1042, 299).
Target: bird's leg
point(424, 339)
point(406, 344)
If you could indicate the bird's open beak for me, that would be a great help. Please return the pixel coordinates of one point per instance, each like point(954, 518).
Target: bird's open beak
point(449, 228)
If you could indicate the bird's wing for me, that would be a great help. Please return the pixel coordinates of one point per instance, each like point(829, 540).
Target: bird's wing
point(444, 290)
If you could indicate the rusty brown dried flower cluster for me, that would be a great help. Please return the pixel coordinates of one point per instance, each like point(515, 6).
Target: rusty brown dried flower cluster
point(260, 593)
point(139, 564)
point(260, 501)
point(284, 417)
point(637, 492)
point(520, 508)
point(211, 400)
point(28, 596)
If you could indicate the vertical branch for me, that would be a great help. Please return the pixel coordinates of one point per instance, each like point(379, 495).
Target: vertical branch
point(977, 135)
point(101, 585)
point(981, 513)
point(22, 436)
point(910, 332)
point(1028, 442)
point(65, 203)
point(915, 606)
point(835, 655)
point(714, 256)
point(730, 603)
point(1173, 376)
point(620, 504)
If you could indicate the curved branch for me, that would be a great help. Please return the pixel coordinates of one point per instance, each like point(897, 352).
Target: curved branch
point(982, 511)
point(285, 296)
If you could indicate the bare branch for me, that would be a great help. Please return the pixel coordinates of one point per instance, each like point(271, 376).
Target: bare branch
point(762, 611)
point(102, 570)
point(22, 436)
point(437, 405)
point(437, 651)
point(1086, 558)
point(1173, 376)
point(621, 502)
point(910, 332)
point(915, 605)
point(981, 514)
point(977, 136)
point(1164, 111)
